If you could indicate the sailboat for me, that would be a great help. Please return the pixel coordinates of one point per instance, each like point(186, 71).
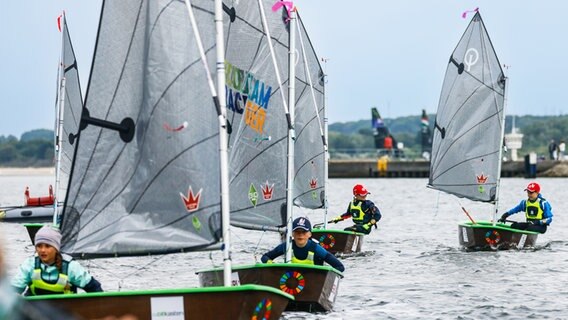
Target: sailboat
point(260, 169)
point(69, 103)
point(139, 184)
point(468, 138)
point(68, 118)
point(336, 241)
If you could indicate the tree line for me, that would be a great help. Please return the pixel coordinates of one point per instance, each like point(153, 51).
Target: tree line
point(346, 139)
point(538, 131)
point(33, 149)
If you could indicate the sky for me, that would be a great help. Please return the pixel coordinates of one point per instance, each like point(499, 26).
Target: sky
point(387, 54)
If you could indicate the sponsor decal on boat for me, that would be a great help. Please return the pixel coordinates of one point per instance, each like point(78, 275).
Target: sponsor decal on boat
point(170, 308)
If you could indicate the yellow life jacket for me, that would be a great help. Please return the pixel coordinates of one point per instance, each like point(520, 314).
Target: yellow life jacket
point(40, 286)
point(357, 211)
point(309, 259)
point(534, 210)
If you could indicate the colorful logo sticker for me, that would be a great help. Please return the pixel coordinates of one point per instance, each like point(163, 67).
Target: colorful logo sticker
point(292, 282)
point(255, 116)
point(265, 305)
point(253, 195)
point(492, 237)
point(267, 190)
point(327, 241)
point(245, 93)
point(192, 200)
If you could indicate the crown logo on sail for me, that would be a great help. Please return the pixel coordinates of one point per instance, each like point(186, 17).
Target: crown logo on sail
point(191, 202)
point(482, 178)
point(267, 190)
point(313, 183)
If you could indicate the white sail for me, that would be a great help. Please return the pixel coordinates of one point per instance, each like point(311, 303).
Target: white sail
point(146, 175)
point(70, 105)
point(310, 142)
point(468, 132)
point(256, 111)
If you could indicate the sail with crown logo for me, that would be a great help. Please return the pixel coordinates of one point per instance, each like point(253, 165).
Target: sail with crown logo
point(468, 131)
point(310, 143)
point(272, 47)
point(139, 182)
point(146, 188)
point(468, 138)
point(256, 113)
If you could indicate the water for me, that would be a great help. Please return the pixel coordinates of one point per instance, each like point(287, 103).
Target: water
point(411, 267)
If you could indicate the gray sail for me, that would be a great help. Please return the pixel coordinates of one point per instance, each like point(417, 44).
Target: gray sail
point(256, 113)
point(145, 175)
point(468, 128)
point(70, 114)
point(309, 157)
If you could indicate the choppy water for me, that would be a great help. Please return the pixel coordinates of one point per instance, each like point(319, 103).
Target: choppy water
point(412, 267)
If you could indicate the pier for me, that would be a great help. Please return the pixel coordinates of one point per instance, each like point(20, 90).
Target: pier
point(369, 168)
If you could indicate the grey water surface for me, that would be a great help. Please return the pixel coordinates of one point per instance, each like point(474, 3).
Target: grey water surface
point(411, 267)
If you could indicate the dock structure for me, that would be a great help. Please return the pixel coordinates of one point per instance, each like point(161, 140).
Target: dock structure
point(376, 168)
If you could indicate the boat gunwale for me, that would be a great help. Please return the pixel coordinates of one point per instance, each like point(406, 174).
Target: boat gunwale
point(489, 225)
point(337, 231)
point(276, 265)
point(244, 287)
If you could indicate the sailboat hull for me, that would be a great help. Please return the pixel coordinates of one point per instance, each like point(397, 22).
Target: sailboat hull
point(313, 287)
point(483, 236)
point(339, 241)
point(29, 214)
point(242, 302)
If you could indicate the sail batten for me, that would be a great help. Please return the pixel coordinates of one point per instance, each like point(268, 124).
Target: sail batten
point(467, 138)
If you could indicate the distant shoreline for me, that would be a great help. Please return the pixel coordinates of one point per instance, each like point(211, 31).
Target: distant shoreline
point(44, 171)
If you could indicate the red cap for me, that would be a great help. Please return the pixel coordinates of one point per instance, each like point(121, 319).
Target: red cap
point(533, 187)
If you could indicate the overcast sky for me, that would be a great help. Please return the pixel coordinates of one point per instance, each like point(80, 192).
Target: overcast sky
point(386, 54)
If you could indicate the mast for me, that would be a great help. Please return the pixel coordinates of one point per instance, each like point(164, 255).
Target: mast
point(289, 118)
point(59, 123)
point(499, 163)
point(219, 101)
point(326, 173)
point(223, 142)
point(291, 133)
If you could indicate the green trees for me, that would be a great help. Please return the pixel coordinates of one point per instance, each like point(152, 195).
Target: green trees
point(358, 137)
point(348, 139)
point(34, 149)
